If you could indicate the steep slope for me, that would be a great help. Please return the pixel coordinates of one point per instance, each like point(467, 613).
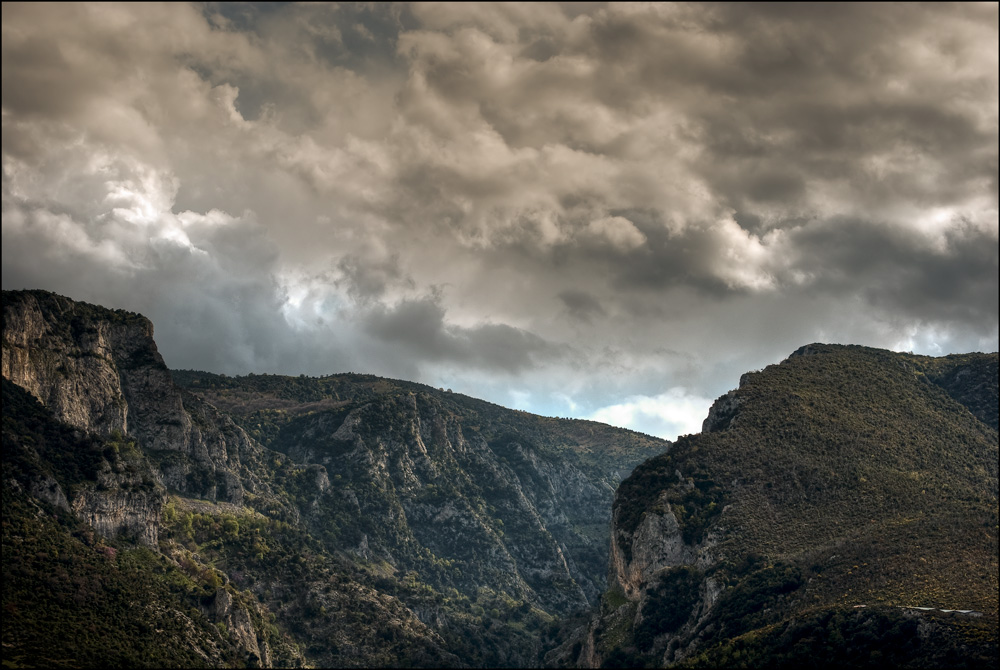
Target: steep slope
point(86, 587)
point(825, 494)
point(410, 470)
point(384, 523)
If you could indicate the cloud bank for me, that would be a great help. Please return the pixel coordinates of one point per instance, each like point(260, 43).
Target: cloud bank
point(606, 211)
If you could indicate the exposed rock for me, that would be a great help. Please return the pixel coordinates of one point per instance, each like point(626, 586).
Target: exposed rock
point(240, 628)
point(800, 493)
point(480, 524)
point(99, 370)
point(113, 512)
point(656, 544)
point(424, 451)
point(47, 489)
point(721, 413)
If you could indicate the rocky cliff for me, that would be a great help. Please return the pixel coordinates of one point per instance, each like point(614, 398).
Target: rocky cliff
point(99, 370)
point(85, 579)
point(422, 482)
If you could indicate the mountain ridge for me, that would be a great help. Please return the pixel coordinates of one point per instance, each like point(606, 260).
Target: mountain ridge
point(460, 529)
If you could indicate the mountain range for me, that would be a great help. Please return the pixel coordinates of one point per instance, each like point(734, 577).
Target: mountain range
point(839, 507)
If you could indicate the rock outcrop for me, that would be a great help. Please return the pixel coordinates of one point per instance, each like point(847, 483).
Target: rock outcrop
point(99, 370)
point(113, 510)
point(237, 622)
point(721, 413)
point(384, 523)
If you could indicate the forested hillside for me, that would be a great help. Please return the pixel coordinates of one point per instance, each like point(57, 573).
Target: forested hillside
point(829, 496)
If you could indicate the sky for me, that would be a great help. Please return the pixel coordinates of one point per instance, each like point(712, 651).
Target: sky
point(582, 210)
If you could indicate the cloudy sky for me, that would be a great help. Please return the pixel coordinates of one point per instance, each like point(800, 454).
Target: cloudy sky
point(587, 210)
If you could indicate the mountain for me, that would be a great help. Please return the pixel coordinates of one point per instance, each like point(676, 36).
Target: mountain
point(837, 509)
point(182, 518)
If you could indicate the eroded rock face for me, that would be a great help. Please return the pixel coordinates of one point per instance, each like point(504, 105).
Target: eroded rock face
point(69, 369)
point(46, 488)
point(117, 512)
point(237, 621)
point(656, 544)
point(722, 413)
point(656, 565)
point(424, 481)
point(99, 370)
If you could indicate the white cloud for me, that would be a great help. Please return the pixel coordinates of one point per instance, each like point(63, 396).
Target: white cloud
point(666, 415)
point(619, 231)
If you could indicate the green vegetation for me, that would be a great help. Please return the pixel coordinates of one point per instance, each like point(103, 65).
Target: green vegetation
point(860, 638)
point(37, 446)
point(299, 416)
point(695, 501)
point(367, 550)
point(756, 598)
point(970, 379)
point(846, 476)
point(72, 598)
point(262, 404)
point(668, 604)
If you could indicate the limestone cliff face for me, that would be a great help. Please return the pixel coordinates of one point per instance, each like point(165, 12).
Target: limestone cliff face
point(69, 368)
point(651, 550)
point(657, 549)
point(655, 545)
point(461, 512)
point(123, 502)
point(99, 370)
point(235, 617)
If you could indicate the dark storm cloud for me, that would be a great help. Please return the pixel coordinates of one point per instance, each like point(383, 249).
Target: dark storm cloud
point(367, 278)
point(951, 281)
point(554, 193)
point(581, 305)
point(211, 310)
point(419, 326)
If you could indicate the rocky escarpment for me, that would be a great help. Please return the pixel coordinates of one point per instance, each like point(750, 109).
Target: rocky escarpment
point(235, 617)
point(104, 481)
point(656, 545)
point(99, 370)
point(115, 508)
point(721, 413)
point(661, 560)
